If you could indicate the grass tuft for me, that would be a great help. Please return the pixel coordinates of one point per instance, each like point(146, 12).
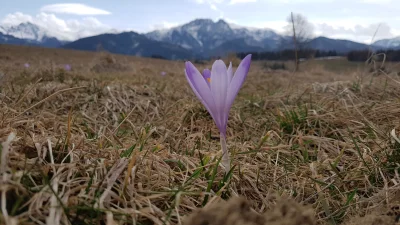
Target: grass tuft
point(113, 142)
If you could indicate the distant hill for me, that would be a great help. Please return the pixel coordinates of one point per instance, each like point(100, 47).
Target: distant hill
point(131, 43)
point(393, 43)
point(340, 46)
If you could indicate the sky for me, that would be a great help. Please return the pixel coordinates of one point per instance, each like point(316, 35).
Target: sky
point(356, 20)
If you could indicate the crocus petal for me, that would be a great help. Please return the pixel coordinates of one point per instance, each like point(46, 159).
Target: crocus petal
point(207, 76)
point(219, 87)
point(237, 82)
point(200, 89)
point(230, 73)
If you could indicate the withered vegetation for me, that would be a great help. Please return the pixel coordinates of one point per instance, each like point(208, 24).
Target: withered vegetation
point(114, 142)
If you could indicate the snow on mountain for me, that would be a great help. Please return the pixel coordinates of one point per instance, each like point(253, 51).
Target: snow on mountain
point(204, 35)
point(37, 32)
point(29, 34)
point(195, 35)
point(388, 43)
point(259, 34)
point(256, 33)
point(25, 31)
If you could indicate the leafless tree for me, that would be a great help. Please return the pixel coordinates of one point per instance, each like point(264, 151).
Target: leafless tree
point(300, 31)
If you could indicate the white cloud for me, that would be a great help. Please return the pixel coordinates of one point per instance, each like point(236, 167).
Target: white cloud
point(277, 25)
point(231, 21)
point(383, 30)
point(354, 28)
point(232, 2)
point(16, 18)
point(213, 6)
point(163, 25)
point(396, 32)
point(73, 8)
point(357, 32)
point(59, 28)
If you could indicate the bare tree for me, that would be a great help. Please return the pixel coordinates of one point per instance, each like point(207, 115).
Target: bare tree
point(300, 31)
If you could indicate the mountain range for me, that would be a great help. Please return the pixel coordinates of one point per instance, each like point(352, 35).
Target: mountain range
point(200, 38)
point(131, 43)
point(28, 34)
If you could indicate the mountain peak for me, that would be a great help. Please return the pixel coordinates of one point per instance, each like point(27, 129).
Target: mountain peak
point(31, 34)
point(29, 24)
point(203, 35)
point(26, 30)
point(221, 21)
point(201, 20)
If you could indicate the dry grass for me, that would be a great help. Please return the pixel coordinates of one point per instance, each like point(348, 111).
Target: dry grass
point(129, 146)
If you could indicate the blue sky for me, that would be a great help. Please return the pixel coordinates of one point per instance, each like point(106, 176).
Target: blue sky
point(350, 19)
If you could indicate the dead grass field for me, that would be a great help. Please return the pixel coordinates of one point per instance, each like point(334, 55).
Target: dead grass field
point(114, 142)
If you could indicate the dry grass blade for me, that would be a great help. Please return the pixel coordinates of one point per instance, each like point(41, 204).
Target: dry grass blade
point(113, 142)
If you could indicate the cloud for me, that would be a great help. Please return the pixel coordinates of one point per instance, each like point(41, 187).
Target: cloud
point(56, 27)
point(383, 30)
point(16, 18)
point(276, 25)
point(73, 8)
point(356, 32)
point(232, 2)
point(356, 29)
point(231, 21)
point(163, 25)
point(213, 6)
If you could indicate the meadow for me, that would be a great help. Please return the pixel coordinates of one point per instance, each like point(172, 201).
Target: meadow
point(113, 141)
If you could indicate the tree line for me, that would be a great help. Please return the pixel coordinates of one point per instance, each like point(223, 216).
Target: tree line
point(288, 54)
point(390, 55)
point(301, 32)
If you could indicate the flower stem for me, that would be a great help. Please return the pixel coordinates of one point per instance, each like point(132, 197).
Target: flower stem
point(226, 163)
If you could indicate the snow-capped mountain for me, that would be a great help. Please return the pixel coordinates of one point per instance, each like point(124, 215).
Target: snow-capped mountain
point(8, 39)
point(257, 34)
point(205, 35)
point(32, 34)
point(393, 43)
point(25, 31)
point(200, 38)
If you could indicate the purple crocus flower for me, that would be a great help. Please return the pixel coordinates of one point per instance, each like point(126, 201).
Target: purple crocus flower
point(26, 65)
point(67, 67)
point(163, 73)
point(217, 89)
